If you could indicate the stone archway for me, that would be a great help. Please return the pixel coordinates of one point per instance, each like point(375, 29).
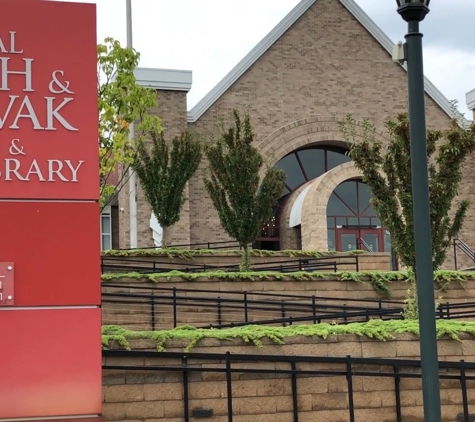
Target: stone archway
point(304, 132)
point(313, 131)
point(314, 207)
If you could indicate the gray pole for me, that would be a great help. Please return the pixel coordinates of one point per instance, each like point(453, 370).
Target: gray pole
point(132, 177)
point(129, 23)
point(422, 226)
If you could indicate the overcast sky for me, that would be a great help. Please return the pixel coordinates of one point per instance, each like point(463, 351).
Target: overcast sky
point(210, 37)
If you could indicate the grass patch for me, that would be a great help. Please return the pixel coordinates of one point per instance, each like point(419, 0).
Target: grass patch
point(374, 329)
point(380, 280)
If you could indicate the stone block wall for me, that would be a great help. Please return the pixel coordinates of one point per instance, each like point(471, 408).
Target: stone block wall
point(328, 292)
point(152, 395)
point(366, 261)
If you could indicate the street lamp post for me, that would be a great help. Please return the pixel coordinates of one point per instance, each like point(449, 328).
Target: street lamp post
point(413, 12)
point(132, 176)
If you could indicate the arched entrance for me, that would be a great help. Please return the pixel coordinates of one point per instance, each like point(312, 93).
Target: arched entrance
point(301, 166)
point(351, 221)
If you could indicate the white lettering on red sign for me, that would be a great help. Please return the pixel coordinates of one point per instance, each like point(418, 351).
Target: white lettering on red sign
point(20, 110)
point(27, 170)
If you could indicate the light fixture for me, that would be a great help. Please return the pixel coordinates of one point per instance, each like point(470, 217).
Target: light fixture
point(413, 10)
point(401, 3)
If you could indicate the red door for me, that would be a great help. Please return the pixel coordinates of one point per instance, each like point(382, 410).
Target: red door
point(363, 239)
point(347, 240)
point(371, 240)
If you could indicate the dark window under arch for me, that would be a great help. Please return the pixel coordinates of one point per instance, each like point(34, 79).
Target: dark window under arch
point(301, 166)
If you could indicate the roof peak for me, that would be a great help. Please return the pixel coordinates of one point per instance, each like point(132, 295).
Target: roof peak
point(209, 99)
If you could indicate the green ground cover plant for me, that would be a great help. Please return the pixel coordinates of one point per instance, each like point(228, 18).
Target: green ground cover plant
point(374, 329)
point(191, 253)
point(380, 280)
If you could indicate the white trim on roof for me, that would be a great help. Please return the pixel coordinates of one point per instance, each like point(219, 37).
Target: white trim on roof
point(164, 79)
point(470, 97)
point(209, 99)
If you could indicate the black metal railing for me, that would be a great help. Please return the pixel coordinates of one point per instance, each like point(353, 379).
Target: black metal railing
point(397, 374)
point(157, 308)
point(461, 245)
point(150, 265)
point(203, 245)
point(154, 308)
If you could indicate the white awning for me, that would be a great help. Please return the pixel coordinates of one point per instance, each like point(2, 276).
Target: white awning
point(157, 231)
point(296, 211)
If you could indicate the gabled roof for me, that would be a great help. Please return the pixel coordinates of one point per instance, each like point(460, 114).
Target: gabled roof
point(209, 99)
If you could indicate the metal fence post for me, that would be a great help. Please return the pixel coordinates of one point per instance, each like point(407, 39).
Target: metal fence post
point(463, 381)
point(349, 380)
point(152, 313)
point(186, 410)
point(295, 406)
point(174, 308)
point(229, 387)
point(246, 315)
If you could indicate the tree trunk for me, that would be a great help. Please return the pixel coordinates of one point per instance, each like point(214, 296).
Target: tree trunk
point(245, 260)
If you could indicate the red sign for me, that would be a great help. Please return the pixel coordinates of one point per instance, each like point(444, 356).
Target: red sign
point(50, 363)
point(48, 101)
point(55, 248)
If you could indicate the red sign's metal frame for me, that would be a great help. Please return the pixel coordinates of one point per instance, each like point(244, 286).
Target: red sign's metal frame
point(50, 359)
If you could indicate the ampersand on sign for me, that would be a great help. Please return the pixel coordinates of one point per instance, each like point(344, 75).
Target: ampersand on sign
point(55, 82)
point(16, 148)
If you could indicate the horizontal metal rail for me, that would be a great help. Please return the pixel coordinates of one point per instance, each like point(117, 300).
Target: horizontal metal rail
point(119, 264)
point(161, 308)
point(203, 245)
point(348, 368)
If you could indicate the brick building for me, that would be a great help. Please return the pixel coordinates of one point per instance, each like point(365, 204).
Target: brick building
point(325, 59)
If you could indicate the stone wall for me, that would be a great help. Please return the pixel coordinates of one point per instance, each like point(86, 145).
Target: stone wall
point(366, 261)
point(260, 397)
point(330, 295)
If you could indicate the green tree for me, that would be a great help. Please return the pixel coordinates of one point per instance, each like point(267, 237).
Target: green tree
point(164, 172)
point(244, 202)
point(121, 102)
point(387, 171)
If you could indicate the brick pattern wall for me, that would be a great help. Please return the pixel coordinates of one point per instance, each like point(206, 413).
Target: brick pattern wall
point(260, 397)
point(324, 67)
point(172, 111)
point(314, 74)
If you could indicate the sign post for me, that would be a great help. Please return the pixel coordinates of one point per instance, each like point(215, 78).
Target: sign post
point(50, 318)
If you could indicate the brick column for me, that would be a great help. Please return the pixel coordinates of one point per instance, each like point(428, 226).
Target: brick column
point(172, 87)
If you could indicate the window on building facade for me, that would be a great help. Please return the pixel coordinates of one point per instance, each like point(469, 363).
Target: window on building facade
point(106, 229)
point(351, 218)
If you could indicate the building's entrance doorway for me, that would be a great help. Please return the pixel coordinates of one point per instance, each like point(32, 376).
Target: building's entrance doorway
point(351, 220)
point(350, 239)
